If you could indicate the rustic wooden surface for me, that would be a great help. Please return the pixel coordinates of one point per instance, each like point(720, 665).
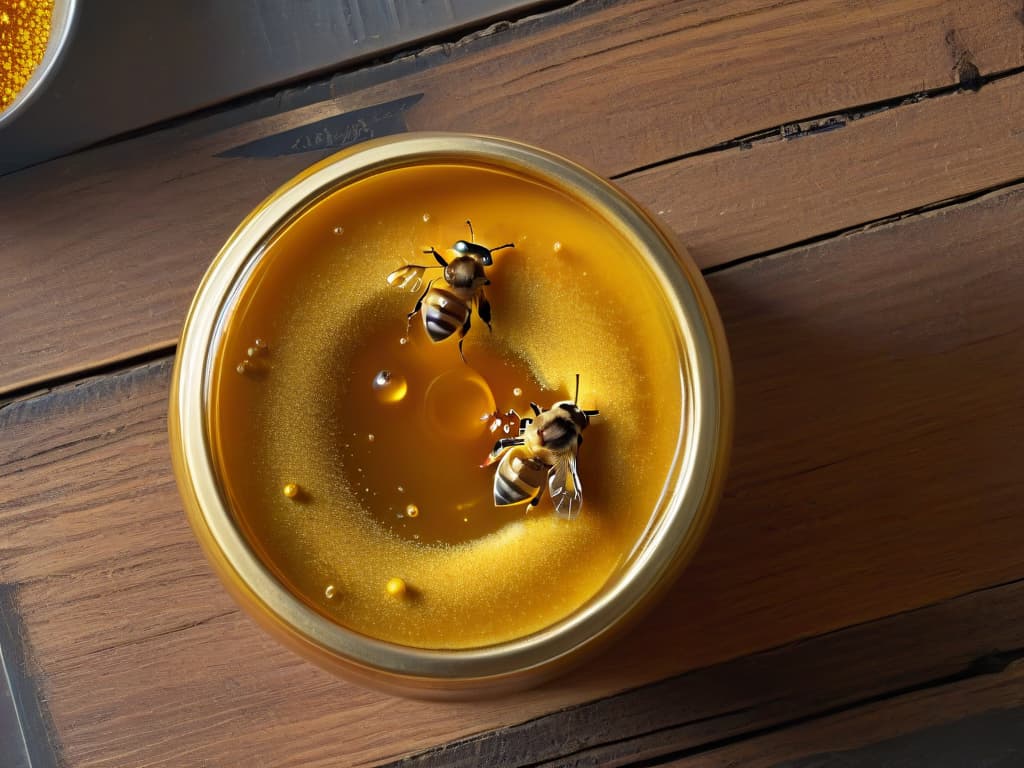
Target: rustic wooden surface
point(850, 174)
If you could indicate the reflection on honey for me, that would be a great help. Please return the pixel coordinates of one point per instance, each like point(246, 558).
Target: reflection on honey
point(24, 33)
point(392, 529)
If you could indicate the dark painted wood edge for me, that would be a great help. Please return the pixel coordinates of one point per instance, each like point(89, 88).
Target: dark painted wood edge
point(360, 75)
point(28, 738)
point(993, 739)
point(773, 690)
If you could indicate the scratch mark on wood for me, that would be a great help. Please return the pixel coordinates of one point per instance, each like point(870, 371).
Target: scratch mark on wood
point(331, 133)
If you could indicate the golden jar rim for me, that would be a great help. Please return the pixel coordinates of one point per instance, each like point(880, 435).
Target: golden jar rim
point(699, 465)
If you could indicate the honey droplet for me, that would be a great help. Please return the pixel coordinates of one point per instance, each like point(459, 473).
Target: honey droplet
point(389, 387)
point(330, 592)
point(291, 490)
point(412, 510)
point(557, 246)
point(395, 587)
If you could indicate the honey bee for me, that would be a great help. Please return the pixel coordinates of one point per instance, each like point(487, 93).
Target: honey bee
point(449, 308)
point(545, 449)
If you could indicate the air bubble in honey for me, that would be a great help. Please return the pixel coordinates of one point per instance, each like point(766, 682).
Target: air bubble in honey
point(389, 387)
point(454, 401)
point(412, 510)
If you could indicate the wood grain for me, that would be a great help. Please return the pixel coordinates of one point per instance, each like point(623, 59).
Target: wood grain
point(877, 384)
point(849, 671)
point(103, 249)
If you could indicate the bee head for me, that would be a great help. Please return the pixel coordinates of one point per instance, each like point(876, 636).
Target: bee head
point(465, 272)
point(474, 250)
point(579, 417)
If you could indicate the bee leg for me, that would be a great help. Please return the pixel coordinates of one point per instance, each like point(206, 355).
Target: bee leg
point(536, 409)
point(438, 256)
point(536, 499)
point(483, 308)
point(462, 334)
point(506, 442)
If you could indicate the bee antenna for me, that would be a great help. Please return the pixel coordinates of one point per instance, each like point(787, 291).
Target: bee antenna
point(577, 395)
point(472, 237)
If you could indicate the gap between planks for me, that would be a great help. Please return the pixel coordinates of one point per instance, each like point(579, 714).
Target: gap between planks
point(975, 721)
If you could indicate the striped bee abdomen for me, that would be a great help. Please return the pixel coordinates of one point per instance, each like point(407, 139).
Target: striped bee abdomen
point(519, 478)
point(443, 313)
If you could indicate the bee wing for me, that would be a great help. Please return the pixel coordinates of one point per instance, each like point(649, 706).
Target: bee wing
point(409, 277)
point(564, 486)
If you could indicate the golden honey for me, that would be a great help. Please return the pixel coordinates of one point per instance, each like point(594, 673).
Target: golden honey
point(24, 34)
point(385, 431)
point(330, 454)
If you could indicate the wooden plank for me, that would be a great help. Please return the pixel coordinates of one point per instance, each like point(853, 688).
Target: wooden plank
point(839, 173)
point(979, 722)
point(848, 671)
point(103, 249)
point(877, 384)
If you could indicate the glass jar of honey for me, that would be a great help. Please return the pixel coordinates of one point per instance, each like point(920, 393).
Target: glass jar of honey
point(448, 412)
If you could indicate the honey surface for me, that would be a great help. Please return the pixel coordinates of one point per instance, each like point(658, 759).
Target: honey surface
point(24, 33)
point(388, 482)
